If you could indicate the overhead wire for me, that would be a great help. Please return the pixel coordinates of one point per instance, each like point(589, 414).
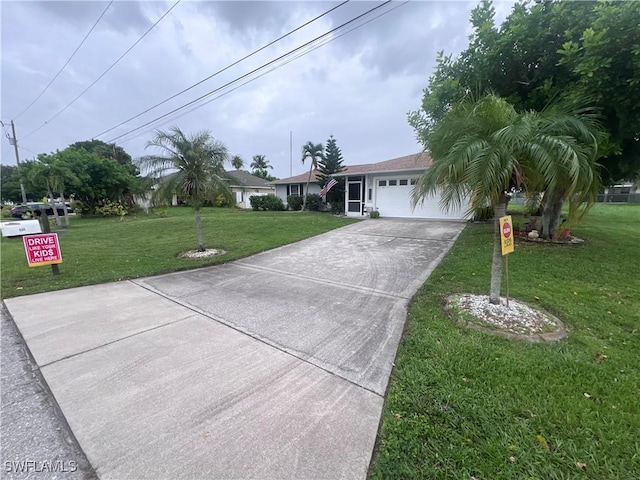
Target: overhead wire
point(66, 63)
point(105, 72)
point(222, 70)
point(300, 54)
point(251, 72)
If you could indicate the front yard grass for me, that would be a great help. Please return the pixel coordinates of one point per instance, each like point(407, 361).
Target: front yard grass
point(97, 250)
point(467, 405)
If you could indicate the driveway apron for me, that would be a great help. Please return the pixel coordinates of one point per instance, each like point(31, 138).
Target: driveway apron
point(270, 367)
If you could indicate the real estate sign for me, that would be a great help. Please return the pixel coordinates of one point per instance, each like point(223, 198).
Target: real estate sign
point(42, 249)
point(506, 235)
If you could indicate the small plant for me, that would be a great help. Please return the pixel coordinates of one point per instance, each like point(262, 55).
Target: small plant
point(374, 214)
point(161, 210)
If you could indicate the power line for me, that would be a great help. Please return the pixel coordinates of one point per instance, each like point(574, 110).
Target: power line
point(251, 72)
point(222, 70)
point(106, 71)
point(67, 62)
point(300, 54)
point(27, 150)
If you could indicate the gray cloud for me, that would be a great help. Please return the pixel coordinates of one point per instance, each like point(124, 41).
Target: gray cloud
point(358, 87)
point(121, 16)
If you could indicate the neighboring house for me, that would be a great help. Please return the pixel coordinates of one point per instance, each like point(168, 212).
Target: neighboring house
point(243, 185)
point(296, 185)
point(625, 192)
point(384, 186)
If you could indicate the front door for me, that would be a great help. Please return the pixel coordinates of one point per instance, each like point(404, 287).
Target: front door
point(354, 196)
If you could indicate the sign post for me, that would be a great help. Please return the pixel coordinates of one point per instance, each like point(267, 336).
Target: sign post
point(506, 239)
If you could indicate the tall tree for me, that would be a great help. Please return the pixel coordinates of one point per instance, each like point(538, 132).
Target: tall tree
point(548, 50)
point(237, 162)
point(484, 150)
point(200, 164)
point(59, 176)
point(109, 150)
point(315, 153)
point(10, 185)
point(330, 163)
point(260, 167)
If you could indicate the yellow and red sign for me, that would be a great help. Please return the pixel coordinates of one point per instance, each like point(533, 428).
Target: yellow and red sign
point(42, 249)
point(506, 235)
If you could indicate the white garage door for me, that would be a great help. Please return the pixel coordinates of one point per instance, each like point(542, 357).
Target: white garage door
point(393, 199)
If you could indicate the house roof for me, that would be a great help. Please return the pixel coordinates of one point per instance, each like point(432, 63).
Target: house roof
point(242, 178)
point(417, 161)
point(302, 178)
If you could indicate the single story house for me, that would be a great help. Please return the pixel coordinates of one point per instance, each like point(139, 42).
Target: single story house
point(384, 186)
point(243, 185)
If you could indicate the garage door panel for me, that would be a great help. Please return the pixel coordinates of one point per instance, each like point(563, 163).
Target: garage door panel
point(394, 201)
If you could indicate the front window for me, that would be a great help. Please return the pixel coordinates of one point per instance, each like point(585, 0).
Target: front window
point(295, 190)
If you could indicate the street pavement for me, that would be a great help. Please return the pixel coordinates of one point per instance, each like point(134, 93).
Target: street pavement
point(270, 367)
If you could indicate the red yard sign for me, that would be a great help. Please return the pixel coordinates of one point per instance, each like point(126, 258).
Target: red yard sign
point(42, 249)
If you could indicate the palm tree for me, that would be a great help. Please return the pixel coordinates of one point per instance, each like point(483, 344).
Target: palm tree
point(199, 161)
point(485, 150)
point(237, 162)
point(260, 166)
point(576, 180)
point(314, 152)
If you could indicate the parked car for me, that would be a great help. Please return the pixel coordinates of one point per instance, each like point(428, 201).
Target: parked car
point(21, 211)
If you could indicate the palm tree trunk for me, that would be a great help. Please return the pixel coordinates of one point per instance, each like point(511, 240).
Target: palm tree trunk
point(199, 230)
point(551, 209)
point(499, 210)
point(64, 209)
point(305, 193)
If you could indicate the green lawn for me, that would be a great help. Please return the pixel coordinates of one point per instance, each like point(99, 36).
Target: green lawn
point(463, 404)
point(97, 250)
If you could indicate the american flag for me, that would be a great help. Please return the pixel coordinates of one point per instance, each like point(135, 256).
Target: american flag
point(329, 185)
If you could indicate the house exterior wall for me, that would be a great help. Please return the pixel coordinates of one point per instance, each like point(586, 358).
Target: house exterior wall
point(243, 194)
point(284, 190)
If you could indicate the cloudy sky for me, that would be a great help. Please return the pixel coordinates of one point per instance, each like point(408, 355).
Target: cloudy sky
point(359, 86)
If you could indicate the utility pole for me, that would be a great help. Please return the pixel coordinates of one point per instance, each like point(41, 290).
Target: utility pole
point(14, 141)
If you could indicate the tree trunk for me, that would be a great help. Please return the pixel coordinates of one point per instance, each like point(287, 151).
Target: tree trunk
point(304, 198)
point(199, 230)
point(499, 210)
point(64, 209)
point(551, 210)
point(53, 205)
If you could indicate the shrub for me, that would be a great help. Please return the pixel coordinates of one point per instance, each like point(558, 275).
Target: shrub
point(374, 214)
point(79, 207)
point(337, 208)
point(111, 209)
point(314, 202)
point(223, 201)
point(294, 202)
point(266, 202)
point(482, 214)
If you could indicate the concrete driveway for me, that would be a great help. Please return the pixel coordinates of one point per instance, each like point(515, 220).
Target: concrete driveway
point(271, 367)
